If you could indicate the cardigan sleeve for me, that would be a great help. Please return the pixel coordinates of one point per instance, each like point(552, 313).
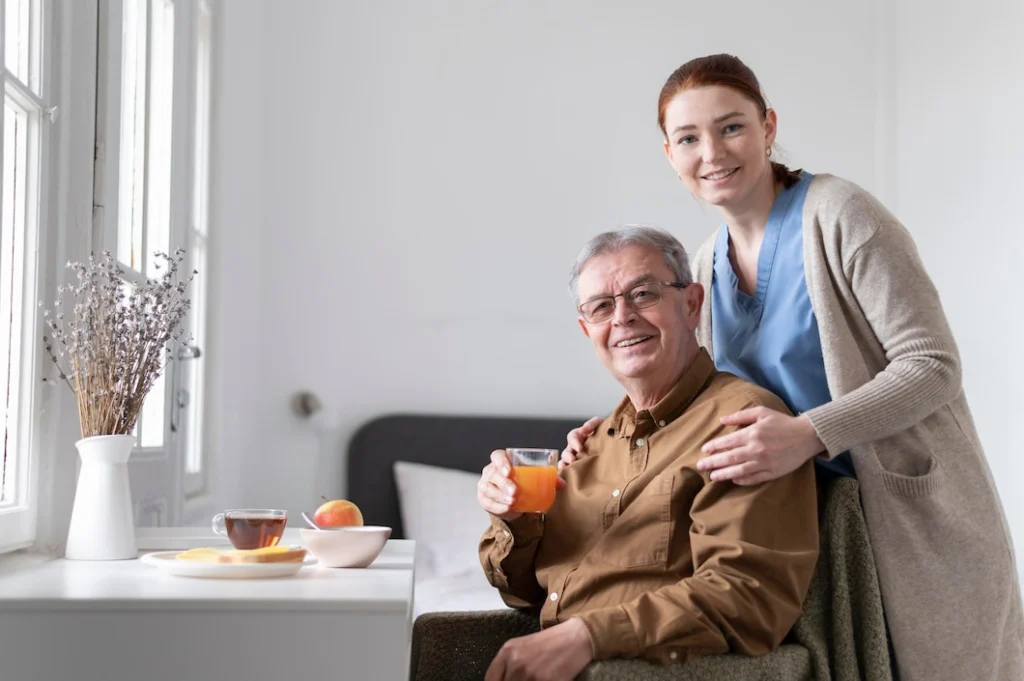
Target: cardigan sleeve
point(900, 303)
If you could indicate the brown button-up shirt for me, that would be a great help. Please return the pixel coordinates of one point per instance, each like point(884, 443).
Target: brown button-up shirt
point(655, 558)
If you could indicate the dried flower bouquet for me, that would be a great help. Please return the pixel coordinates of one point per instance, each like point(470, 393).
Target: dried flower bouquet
point(118, 338)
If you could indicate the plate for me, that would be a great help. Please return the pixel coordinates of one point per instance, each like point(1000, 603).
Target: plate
point(168, 562)
point(167, 538)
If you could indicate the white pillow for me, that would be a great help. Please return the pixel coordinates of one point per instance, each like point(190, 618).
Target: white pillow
point(440, 512)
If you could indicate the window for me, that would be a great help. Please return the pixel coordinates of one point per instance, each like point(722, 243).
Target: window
point(152, 131)
point(25, 121)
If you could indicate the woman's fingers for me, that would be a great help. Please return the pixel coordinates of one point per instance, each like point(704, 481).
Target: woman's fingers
point(576, 439)
point(730, 457)
point(567, 458)
point(590, 427)
point(755, 479)
point(726, 442)
point(746, 469)
point(745, 417)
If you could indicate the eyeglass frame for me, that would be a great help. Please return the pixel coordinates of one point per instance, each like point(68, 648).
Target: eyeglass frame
point(673, 284)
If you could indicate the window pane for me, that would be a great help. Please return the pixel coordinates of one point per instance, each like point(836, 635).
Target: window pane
point(161, 91)
point(16, 38)
point(21, 41)
point(12, 234)
point(131, 181)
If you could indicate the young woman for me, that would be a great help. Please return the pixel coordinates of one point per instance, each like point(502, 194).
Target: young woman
point(816, 292)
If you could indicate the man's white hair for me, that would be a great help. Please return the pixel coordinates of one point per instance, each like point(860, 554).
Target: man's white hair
point(631, 235)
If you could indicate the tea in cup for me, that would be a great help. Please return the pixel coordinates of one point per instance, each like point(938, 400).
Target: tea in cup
point(534, 473)
point(251, 528)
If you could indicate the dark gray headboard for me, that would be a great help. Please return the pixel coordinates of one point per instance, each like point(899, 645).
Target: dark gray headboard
point(461, 442)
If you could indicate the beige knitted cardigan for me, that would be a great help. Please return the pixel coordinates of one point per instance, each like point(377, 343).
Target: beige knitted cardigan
point(940, 538)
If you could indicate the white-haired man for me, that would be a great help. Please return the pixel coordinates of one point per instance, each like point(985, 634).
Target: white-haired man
point(642, 555)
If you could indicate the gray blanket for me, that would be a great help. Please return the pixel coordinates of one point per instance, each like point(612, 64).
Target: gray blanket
point(839, 637)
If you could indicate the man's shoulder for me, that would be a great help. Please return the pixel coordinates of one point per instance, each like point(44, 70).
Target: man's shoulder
point(730, 393)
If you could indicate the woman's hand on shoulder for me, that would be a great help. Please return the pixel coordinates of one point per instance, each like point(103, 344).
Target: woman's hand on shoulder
point(576, 439)
point(768, 445)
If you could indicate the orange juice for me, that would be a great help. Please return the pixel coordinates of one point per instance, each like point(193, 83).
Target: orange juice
point(535, 488)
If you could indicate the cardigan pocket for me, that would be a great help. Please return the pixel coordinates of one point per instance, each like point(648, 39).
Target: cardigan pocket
point(913, 485)
point(907, 462)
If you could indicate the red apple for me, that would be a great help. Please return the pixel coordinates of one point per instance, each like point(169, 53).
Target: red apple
point(337, 513)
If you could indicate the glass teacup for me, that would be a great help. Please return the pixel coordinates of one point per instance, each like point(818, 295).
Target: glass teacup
point(251, 528)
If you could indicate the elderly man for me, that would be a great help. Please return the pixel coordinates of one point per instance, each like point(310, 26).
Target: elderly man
point(642, 555)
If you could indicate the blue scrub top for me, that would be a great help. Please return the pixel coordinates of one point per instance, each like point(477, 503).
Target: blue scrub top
point(771, 338)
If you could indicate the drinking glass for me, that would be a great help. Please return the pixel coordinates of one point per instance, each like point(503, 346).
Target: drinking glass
point(534, 473)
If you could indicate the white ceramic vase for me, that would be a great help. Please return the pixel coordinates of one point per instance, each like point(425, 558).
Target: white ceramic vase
point(102, 522)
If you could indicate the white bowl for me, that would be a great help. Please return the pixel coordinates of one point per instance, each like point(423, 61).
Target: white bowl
point(351, 547)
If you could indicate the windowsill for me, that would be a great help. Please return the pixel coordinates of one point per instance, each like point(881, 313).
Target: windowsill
point(22, 559)
point(4, 550)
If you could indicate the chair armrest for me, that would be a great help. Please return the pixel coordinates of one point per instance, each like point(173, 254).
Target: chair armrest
point(457, 646)
point(785, 663)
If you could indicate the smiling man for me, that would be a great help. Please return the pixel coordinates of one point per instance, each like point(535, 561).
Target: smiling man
point(642, 555)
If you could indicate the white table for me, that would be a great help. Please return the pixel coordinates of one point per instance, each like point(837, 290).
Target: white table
point(124, 620)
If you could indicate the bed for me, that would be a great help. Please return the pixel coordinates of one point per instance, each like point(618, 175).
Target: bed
point(417, 474)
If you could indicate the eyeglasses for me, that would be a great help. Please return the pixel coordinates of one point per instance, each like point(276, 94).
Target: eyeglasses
point(647, 294)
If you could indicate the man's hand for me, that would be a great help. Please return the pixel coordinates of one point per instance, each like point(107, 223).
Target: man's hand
point(496, 490)
point(555, 654)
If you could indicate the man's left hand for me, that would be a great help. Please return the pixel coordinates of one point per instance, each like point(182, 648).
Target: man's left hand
point(555, 654)
point(768, 445)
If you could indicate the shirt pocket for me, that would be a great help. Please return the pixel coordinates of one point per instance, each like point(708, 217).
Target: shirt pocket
point(641, 534)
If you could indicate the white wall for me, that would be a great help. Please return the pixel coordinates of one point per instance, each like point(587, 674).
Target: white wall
point(959, 146)
point(400, 188)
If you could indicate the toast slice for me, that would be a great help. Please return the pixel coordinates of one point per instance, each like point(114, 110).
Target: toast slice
point(270, 554)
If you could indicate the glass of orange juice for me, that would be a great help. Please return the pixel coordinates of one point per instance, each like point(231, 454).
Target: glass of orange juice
point(534, 473)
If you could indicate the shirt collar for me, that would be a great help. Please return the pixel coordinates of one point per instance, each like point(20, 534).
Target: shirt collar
point(628, 420)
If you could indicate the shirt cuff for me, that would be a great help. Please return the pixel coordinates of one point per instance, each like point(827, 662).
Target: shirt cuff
point(521, 531)
point(508, 539)
point(612, 634)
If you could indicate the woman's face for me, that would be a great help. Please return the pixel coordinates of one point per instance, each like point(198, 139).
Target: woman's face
point(717, 141)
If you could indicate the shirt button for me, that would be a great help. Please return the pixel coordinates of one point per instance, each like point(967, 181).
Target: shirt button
point(661, 423)
point(639, 442)
point(616, 492)
point(673, 655)
point(554, 597)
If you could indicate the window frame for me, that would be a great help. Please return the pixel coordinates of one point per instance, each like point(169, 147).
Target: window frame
point(35, 405)
point(196, 483)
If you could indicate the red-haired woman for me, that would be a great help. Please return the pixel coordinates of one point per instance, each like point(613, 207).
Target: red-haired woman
point(816, 292)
